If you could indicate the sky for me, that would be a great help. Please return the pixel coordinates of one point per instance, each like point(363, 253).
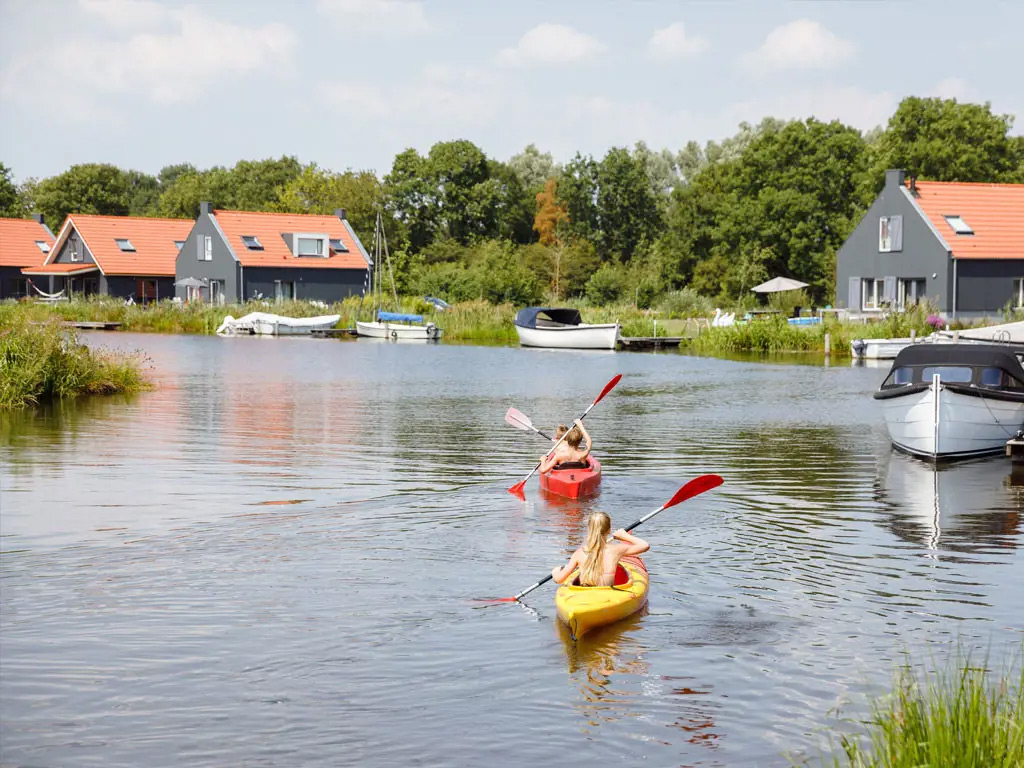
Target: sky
point(347, 84)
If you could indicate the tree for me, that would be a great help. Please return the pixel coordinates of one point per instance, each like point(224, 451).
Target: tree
point(256, 185)
point(143, 193)
point(662, 170)
point(942, 140)
point(627, 207)
point(88, 188)
point(577, 191)
point(551, 216)
point(533, 168)
point(11, 204)
point(320, 191)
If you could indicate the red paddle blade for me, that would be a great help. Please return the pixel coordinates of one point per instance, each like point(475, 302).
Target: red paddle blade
point(517, 489)
point(693, 488)
point(495, 600)
point(608, 388)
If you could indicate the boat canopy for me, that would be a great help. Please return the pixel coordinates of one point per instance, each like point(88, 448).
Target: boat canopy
point(988, 355)
point(398, 317)
point(527, 318)
point(973, 365)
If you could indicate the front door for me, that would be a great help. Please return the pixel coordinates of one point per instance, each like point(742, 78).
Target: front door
point(216, 291)
point(284, 290)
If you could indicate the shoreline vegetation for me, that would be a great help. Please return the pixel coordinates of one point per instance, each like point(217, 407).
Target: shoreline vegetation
point(960, 715)
point(43, 361)
point(483, 322)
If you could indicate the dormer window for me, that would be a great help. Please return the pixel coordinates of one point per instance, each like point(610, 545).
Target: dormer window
point(252, 242)
point(179, 244)
point(124, 243)
point(311, 245)
point(959, 226)
point(338, 246)
point(43, 246)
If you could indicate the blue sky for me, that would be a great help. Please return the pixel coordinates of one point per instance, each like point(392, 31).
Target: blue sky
point(349, 83)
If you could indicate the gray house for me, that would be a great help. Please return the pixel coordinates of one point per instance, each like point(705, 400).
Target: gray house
point(960, 245)
point(23, 243)
point(235, 256)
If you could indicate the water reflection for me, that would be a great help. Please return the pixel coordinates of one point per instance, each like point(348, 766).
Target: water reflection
point(963, 507)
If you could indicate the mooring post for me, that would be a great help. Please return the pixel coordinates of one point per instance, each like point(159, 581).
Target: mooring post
point(828, 344)
point(913, 334)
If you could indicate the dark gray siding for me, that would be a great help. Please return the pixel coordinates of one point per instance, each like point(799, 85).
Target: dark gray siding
point(985, 285)
point(64, 256)
point(125, 286)
point(223, 266)
point(12, 283)
point(328, 285)
point(922, 254)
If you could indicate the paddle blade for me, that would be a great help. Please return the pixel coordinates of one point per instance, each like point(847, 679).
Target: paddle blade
point(693, 488)
point(517, 489)
point(608, 388)
point(519, 420)
point(495, 600)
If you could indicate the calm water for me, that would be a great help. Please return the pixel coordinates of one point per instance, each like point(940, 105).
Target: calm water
point(272, 559)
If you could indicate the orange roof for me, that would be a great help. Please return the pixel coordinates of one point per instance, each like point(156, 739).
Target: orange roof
point(18, 238)
point(269, 229)
point(61, 268)
point(152, 239)
point(995, 212)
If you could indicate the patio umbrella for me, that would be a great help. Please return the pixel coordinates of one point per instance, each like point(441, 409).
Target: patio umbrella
point(191, 282)
point(777, 284)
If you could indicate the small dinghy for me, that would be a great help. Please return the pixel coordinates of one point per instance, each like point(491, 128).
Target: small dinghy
point(266, 324)
point(562, 329)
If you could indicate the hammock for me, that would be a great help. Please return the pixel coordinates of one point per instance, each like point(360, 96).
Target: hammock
point(48, 296)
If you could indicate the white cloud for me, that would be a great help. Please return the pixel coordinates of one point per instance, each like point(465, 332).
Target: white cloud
point(851, 105)
point(192, 53)
point(802, 44)
point(551, 44)
point(953, 88)
point(672, 42)
point(394, 16)
point(127, 14)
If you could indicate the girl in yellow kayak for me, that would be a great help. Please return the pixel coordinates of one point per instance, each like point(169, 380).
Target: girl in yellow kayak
point(598, 559)
point(568, 451)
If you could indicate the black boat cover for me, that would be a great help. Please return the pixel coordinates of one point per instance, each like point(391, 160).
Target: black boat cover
point(527, 318)
point(974, 355)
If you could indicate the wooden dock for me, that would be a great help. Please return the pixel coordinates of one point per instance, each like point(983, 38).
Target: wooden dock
point(333, 332)
point(649, 342)
point(90, 325)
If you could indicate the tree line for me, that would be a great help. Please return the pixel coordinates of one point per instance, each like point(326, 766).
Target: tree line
point(778, 198)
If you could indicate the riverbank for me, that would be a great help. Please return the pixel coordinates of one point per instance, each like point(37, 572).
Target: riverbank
point(481, 321)
point(42, 361)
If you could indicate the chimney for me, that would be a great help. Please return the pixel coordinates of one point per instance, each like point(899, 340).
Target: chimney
point(913, 184)
point(895, 177)
point(206, 208)
point(341, 213)
point(39, 217)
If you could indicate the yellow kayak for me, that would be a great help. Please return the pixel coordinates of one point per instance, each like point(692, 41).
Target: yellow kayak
point(583, 608)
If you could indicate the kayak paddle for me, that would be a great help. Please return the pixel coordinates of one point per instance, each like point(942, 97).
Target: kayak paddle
point(693, 488)
point(517, 489)
point(520, 420)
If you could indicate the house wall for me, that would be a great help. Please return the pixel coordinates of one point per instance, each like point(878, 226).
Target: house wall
point(327, 285)
point(223, 266)
point(12, 283)
point(985, 285)
point(124, 286)
point(922, 255)
point(64, 255)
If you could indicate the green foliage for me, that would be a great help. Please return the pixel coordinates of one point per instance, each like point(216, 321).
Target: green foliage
point(685, 302)
point(88, 188)
point(787, 301)
point(319, 191)
point(942, 140)
point(533, 168)
point(43, 361)
point(11, 204)
point(577, 191)
point(627, 207)
point(251, 185)
point(607, 284)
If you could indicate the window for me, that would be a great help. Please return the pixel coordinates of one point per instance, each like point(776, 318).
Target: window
point(145, 290)
point(179, 244)
point(909, 291)
point(991, 377)
point(284, 290)
point(890, 234)
point(958, 374)
point(73, 252)
point(872, 293)
point(309, 245)
point(1018, 293)
point(43, 246)
point(959, 225)
point(216, 291)
point(204, 248)
point(902, 376)
point(124, 243)
point(338, 246)
point(252, 242)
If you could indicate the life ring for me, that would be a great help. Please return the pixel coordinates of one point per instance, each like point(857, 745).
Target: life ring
point(394, 335)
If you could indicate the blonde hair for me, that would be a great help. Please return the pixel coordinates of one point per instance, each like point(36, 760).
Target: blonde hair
point(575, 437)
point(560, 430)
point(599, 525)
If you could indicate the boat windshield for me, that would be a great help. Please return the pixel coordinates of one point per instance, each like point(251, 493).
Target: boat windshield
point(957, 374)
point(901, 376)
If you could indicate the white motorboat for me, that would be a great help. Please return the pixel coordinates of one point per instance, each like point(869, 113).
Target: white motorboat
point(267, 324)
point(879, 349)
point(1011, 334)
point(392, 325)
point(563, 329)
point(948, 401)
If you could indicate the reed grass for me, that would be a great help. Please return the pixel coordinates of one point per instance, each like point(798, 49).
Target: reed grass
point(951, 718)
point(44, 361)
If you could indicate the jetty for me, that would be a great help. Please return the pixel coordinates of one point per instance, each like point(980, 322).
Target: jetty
point(333, 332)
point(649, 342)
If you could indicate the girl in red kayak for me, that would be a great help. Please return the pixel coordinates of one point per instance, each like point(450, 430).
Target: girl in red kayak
point(568, 451)
point(598, 559)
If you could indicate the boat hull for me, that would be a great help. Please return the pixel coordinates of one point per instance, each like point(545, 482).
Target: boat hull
point(604, 336)
point(573, 483)
point(879, 349)
point(266, 324)
point(583, 609)
point(399, 331)
point(938, 423)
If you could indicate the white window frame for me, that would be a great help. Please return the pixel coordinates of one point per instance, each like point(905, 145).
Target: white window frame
point(341, 243)
point(966, 229)
point(324, 245)
point(120, 240)
point(1018, 293)
point(279, 291)
point(875, 288)
point(74, 254)
point(258, 246)
point(43, 246)
point(902, 300)
point(204, 248)
point(217, 292)
point(886, 242)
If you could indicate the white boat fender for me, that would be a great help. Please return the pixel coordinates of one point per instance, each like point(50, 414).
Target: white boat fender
point(394, 335)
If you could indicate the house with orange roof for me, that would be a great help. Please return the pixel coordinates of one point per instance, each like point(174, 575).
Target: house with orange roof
point(123, 256)
point(235, 256)
point(960, 245)
point(23, 243)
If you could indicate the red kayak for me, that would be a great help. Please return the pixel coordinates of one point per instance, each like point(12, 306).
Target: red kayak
point(573, 482)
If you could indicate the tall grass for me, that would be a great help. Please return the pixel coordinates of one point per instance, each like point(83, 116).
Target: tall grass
point(951, 718)
point(43, 361)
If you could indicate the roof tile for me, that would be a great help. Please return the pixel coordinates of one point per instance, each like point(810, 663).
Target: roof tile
point(269, 228)
point(994, 211)
point(18, 242)
point(155, 252)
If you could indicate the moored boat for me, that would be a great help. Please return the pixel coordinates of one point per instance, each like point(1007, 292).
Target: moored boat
point(396, 326)
point(948, 401)
point(879, 349)
point(580, 479)
point(267, 324)
point(563, 328)
point(584, 608)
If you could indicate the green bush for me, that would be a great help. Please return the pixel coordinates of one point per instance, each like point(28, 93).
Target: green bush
point(685, 302)
point(606, 285)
